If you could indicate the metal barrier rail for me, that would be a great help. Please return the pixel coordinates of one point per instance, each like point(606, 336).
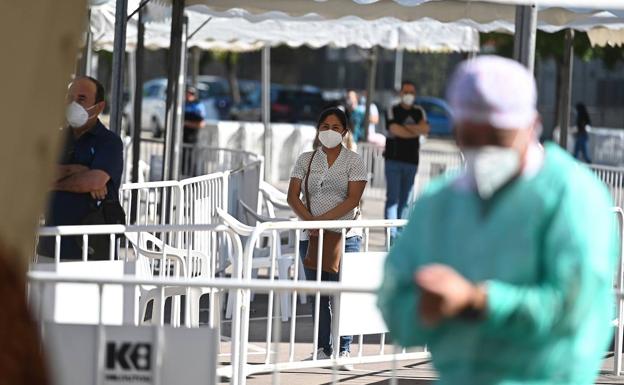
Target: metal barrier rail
point(619, 286)
point(153, 255)
point(196, 159)
point(40, 280)
point(243, 285)
point(433, 163)
point(241, 296)
point(274, 331)
point(613, 177)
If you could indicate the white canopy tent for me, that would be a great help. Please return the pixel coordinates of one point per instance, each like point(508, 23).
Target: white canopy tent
point(484, 11)
point(606, 37)
point(240, 34)
point(524, 14)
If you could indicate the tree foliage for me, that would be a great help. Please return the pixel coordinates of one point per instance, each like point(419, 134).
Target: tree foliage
point(551, 45)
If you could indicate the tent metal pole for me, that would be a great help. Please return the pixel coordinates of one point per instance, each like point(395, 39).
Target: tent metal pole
point(138, 109)
point(173, 75)
point(398, 69)
point(370, 87)
point(266, 111)
point(179, 111)
point(525, 35)
point(87, 51)
point(566, 88)
point(195, 62)
point(117, 80)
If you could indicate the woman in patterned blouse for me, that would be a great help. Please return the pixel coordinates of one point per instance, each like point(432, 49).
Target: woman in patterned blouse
point(336, 182)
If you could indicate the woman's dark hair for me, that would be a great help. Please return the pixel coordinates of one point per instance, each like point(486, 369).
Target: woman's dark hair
point(582, 115)
point(338, 112)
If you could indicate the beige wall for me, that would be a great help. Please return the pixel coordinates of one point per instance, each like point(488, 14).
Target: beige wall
point(38, 41)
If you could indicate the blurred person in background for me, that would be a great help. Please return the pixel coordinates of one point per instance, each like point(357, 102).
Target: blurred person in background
point(505, 271)
point(405, 124)
point(88, 175)
point(583, 123)
point(194, 121)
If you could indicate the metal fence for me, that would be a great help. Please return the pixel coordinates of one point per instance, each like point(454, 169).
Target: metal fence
point(196, 159)
point(613, 177)
point(182, 263)
point(273, 328)
point(433, 163)
point(188, 270)
point(227, 177)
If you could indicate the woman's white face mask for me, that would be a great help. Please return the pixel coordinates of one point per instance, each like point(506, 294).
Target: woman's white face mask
point(492, 167)
point(330, 138)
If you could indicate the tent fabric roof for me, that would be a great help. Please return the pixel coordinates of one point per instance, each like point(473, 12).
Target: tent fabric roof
point(606, 37)
point(364, 23)
point(555, 12)
point(239, 34)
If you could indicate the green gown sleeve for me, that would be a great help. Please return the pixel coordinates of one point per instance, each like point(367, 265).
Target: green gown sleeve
point(580, 248)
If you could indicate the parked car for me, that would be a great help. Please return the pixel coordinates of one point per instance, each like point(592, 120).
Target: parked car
point(217, 90)
point(213, 93)
point(438, 114)
point(290, 104)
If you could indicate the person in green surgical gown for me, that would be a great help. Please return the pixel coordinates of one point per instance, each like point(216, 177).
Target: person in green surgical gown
point(505, 272)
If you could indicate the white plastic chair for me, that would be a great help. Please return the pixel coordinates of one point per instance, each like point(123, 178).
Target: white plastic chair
point(282, 251)
point(184, 263)
point(275, 199)
point(262, 258)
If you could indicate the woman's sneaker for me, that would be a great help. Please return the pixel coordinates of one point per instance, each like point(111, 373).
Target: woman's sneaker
point(347, 367)
point(320, 355)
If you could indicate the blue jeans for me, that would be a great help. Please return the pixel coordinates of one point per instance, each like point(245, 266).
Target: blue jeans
point(352, 245)
point(399, 183)
point(581, 146)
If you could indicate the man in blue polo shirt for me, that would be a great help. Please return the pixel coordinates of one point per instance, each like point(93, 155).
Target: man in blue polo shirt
point(90, 167)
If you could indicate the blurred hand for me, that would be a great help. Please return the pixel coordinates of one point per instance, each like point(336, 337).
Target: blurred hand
point(99, 194)
point(313, 232)
point(446, 293)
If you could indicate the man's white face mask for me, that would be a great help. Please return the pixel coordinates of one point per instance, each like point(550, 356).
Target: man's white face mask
point(492, 167)
point(76, 115)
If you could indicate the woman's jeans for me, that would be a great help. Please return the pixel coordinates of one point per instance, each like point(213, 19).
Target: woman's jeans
point(580, 146)
point(352, 245)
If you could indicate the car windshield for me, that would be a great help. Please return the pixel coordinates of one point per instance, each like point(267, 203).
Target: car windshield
point(208, 90)
point(433, 109)
point(152, 90)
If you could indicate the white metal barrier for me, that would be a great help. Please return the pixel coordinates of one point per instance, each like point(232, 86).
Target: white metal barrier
point(619, 286)
point(273, 325)
point(196, 159)
point(275, 358)
point(194, 200)
point(242, 297)
point(375, 169)
point(613, 177)
point(40, 280)
point(432, 164)
point(149, 256)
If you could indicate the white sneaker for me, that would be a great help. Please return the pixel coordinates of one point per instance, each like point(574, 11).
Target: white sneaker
point(320, 355)
point(347, 367)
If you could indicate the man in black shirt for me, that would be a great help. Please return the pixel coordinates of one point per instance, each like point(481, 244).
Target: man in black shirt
point(405, 124)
